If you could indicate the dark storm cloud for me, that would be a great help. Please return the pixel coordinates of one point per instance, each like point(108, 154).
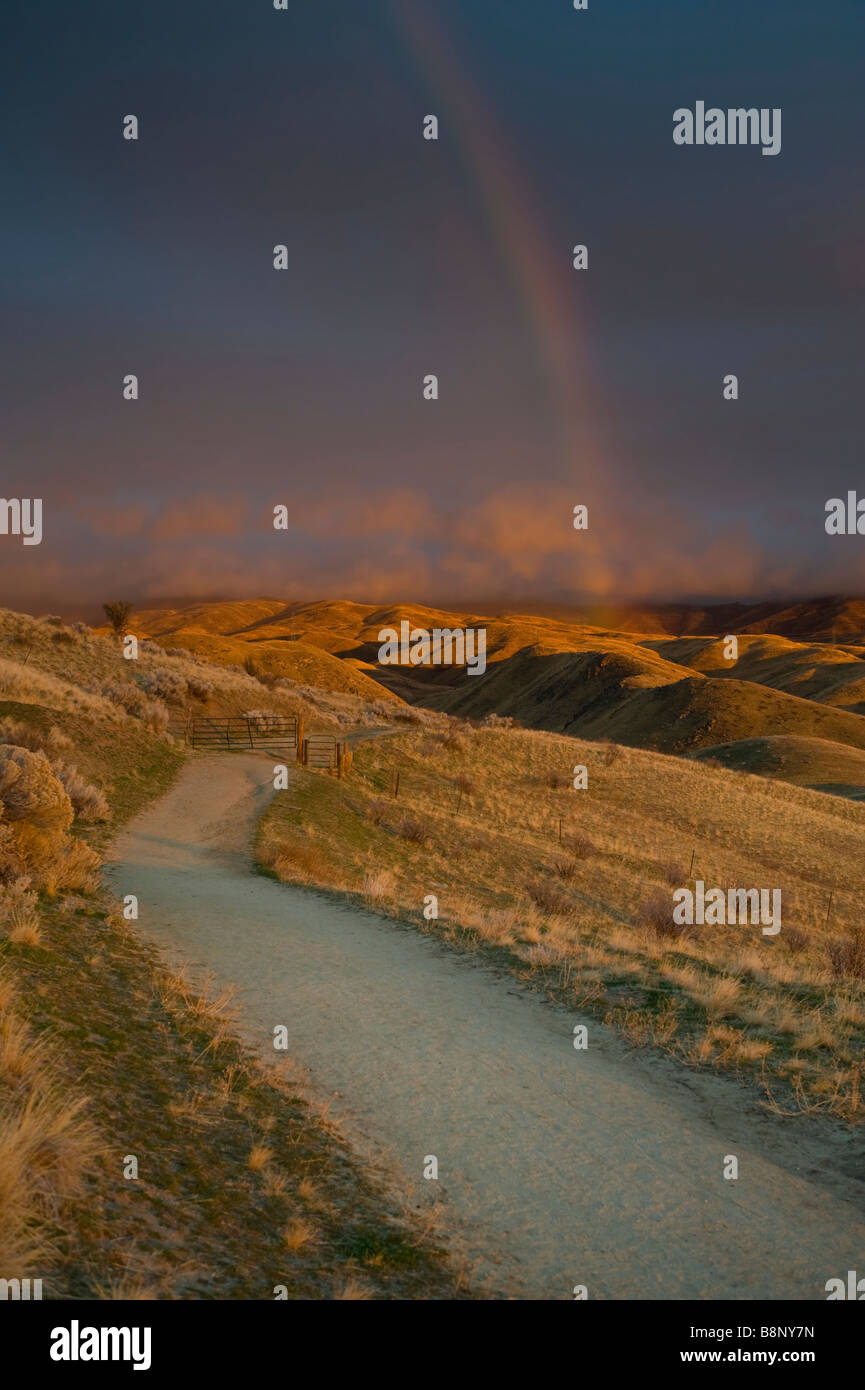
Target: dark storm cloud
point(303, 127)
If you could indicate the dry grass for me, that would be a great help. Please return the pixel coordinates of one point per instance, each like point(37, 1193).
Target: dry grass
point(593, 913)
point(259, 1157)
point(353, 1291)
point(378, 885)
point(297, 1234)
point(45, 1145)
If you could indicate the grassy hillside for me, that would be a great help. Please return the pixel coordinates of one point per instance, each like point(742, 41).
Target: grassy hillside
point(806, 762)
point(674, 693)
point(573, 888)
point(633, 701)
point(830, 675)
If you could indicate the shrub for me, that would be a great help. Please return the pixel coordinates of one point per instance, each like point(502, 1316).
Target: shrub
point(407, 714)
point(126, 695)
point(263, 720)
point(548, 898)
point(578, 844)
point(656, 915)
point(118, 614)
point(610, 752)
point(565, 868)
point(162, 685)
point(22, 736)
point(36, 813)
point(795, 939)
point(378, 811)
point(30, 793)
point(198, 689)
point(88, 802)
point(672, 873)
point(847, 955)
point(412, 829)
point(152, 713)
point(497, 721)
point(557, 781)
point(156, 716)
point(453, 742)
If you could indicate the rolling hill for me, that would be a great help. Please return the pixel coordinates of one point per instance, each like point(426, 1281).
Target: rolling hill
point(653, 677)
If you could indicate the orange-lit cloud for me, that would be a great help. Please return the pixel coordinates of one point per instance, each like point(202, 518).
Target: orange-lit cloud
point(516, 542)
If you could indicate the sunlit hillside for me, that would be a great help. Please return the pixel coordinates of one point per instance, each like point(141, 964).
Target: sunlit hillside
point(675, 693)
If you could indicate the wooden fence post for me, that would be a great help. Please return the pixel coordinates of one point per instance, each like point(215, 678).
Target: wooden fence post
point(300, 757)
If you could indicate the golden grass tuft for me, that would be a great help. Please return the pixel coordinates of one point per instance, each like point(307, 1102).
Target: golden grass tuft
point(297, 1234)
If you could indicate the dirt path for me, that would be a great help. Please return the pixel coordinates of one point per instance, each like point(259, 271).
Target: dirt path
point(556, 1167)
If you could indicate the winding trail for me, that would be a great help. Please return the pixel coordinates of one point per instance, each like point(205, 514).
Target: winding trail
point(556, 1167)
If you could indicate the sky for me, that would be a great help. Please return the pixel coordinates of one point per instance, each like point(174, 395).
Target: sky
point(303, 387)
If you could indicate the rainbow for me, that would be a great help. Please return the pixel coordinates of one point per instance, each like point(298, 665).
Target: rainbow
point(540, 276)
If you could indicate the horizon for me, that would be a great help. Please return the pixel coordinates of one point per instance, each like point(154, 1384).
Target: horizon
point(589, 612)
point(606, 612)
